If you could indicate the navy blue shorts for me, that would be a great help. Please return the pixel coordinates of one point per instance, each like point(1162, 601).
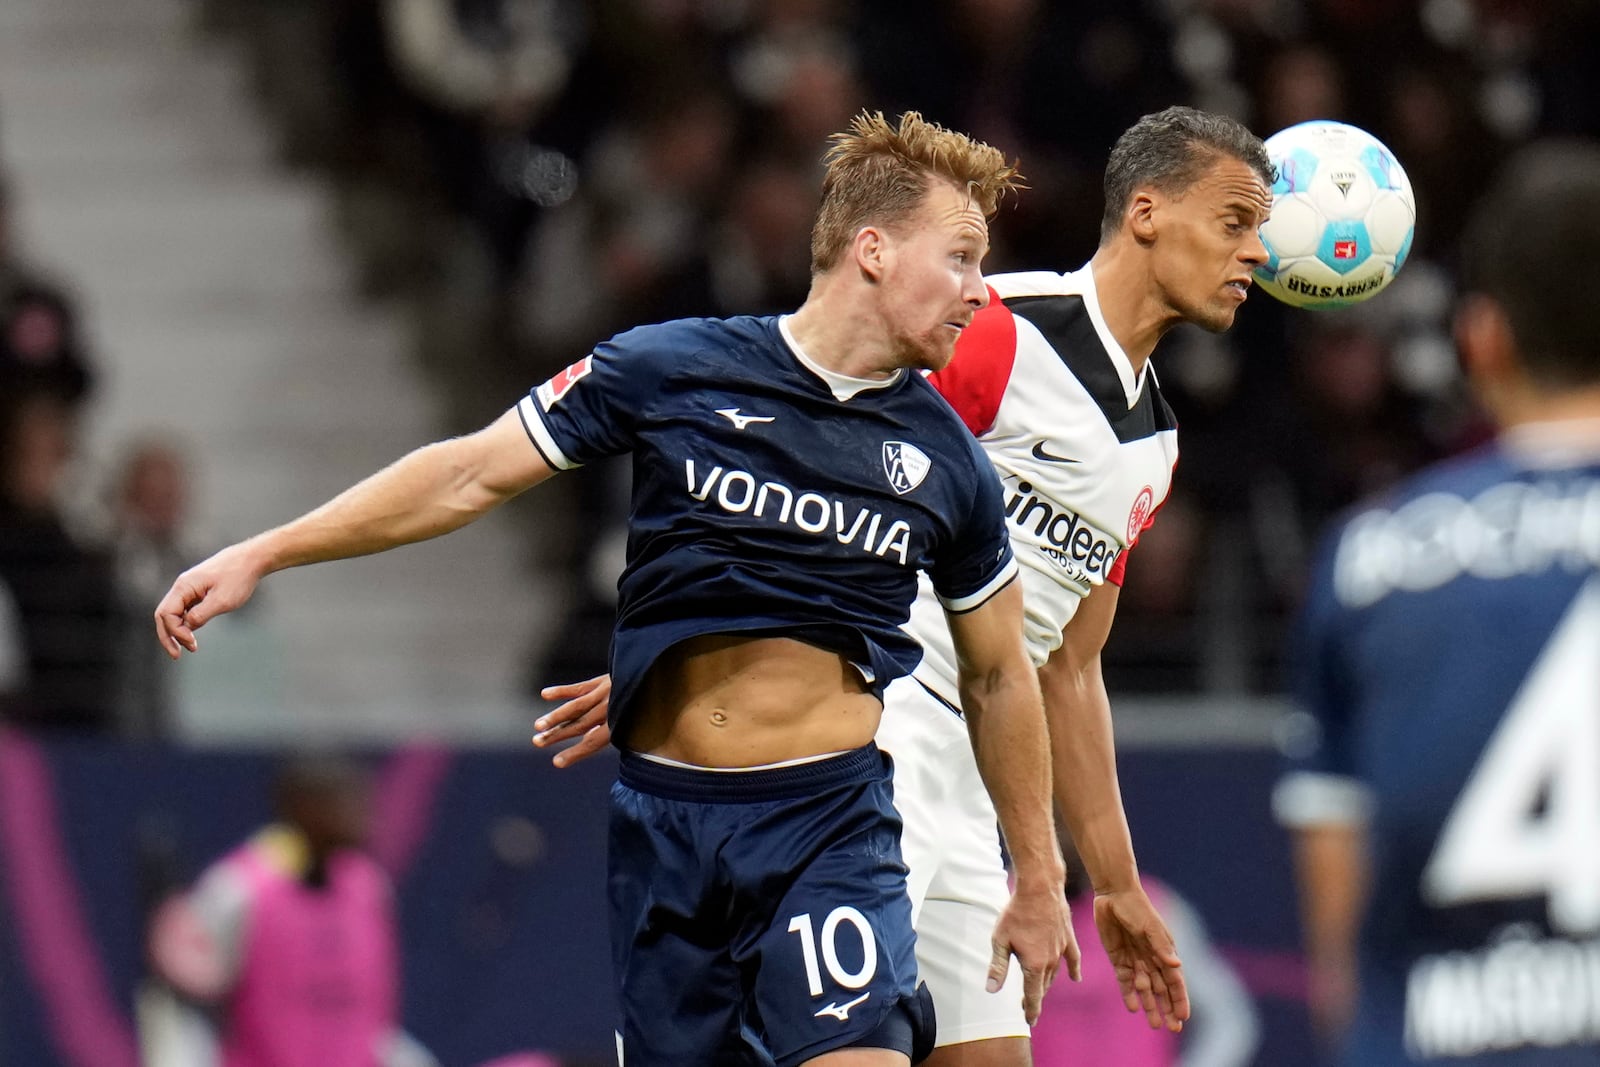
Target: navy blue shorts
point(761, 917)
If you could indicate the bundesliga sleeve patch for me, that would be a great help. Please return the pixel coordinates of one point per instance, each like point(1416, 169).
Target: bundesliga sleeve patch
point(556, 388)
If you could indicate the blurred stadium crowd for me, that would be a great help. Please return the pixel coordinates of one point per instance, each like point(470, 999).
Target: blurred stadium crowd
point(529, 176)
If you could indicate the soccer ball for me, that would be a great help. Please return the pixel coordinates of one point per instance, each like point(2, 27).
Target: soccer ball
point(1342, 216)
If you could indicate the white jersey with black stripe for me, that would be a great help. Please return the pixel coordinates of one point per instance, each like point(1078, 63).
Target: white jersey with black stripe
point(1083, 445)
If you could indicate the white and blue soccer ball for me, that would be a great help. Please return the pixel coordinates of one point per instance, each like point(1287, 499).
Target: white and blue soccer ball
point(1343, 216)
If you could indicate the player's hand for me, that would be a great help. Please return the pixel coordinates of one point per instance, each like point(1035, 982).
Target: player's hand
point(1036, 928)
point(219, 585)
point(583, 715)
point(1144, 957)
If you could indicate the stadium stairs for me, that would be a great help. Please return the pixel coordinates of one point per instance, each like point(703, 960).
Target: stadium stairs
point(224, 319)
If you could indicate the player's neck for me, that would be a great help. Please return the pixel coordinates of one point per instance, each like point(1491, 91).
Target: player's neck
point(1569, 412)
point(1122, 285)
point(844, 336)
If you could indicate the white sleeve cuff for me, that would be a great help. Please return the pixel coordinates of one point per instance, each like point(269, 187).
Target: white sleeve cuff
point(539, 433)
point(1306, 798)
point(964, 604)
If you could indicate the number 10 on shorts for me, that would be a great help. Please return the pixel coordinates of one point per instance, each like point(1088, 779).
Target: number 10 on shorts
point(840, 916)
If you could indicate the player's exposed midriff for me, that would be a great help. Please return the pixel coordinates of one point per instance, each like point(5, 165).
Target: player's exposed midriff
point(727, 701)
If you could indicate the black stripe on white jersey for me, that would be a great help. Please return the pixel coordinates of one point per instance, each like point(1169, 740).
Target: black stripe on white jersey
point(1064, 321)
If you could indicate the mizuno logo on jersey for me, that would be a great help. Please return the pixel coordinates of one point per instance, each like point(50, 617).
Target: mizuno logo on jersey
point(906, 465)
point(741, 421)
point(841, 1011)
point(1070, 541)
point(738, 492)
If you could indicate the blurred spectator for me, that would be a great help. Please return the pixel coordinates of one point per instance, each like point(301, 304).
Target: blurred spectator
point(1430, 125)
point(39, 344)
point(1301, 82)
point(488, 71)
point(795, 70)
point(1087, 1023)
point(1353, 435)
point(62, 590)
point(39, 348)
point(13, 652)
point(756, 261)
point(614, 255)
point(13, 272)
point(1152, 648)
point(149, 511)
point(291, 938)
point(1053, 84)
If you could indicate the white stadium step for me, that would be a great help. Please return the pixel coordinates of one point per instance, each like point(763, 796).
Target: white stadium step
point(222, 314)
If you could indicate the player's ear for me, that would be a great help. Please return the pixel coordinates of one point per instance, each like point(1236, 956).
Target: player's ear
point(1488, 352)
point(1140, 218)
point(870, 250)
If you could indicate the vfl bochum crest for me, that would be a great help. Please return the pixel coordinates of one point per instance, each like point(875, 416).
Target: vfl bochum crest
point(906, 465)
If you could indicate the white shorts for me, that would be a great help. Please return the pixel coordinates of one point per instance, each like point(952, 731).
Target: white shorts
point(957, 881)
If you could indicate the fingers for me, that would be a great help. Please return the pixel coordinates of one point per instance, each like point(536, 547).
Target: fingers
point(1164, 970)
point(1035, 981)
point(593, 741)
point(557, 727)
point(167, 636)
point(1033, 987)
point(1157, 1006)
point(597, 687)
point(1130, 997)
point(999, 964)
point(1137, 993)
point(1171, 989)
point(582, 716)
point(1178, 991)
point(587, 708)
point(174, 629)
point(1074, 957)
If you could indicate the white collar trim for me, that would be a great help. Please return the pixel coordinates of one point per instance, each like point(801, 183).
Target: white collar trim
point(842, 386)
point(1132, 384)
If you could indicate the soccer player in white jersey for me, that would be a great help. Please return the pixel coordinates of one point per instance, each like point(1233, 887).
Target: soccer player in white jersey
point(1054, 379)
point(792, 476)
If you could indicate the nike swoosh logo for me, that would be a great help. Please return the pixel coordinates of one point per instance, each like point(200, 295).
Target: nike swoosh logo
point(1050, 457)
point(741, 421)
point(841, 1011)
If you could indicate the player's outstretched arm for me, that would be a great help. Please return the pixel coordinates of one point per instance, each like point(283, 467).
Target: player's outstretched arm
point(436, 489)
point(1084, 766)
point(1000, 695)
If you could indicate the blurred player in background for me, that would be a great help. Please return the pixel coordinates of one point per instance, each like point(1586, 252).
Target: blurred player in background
point(758, 902)
point(288, 943)
point(1445, 784)
point(1054, 379)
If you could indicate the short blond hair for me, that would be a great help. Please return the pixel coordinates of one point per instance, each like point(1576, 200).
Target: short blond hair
point(878, 174)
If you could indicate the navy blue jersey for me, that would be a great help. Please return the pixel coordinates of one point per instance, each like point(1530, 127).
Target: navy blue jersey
point(765, 504)
point(1449, 664)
